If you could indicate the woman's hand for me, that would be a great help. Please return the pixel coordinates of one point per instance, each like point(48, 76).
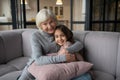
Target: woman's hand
point(70, 57)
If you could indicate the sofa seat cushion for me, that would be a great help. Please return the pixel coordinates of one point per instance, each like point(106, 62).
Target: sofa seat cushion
point(118, 78)
point(19, 63)
point(11, 76)
point(103, 76)
point(6, 69)
point(13, 65)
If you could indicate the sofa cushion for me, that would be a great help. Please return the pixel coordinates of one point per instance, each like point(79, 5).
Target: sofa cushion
point(103, 76)
point(118, 78)
point(12, 41)
point(2, 51)
point(26, 36)
point(118, 62)
point(6, 69)
point(11, 76)
point(101, 50)
point(19, 63)
point(80, 35)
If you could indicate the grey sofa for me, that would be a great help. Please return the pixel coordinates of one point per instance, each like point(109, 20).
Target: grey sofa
point(100, 48)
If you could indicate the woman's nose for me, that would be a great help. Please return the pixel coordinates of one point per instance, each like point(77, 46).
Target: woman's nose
point(49, 25)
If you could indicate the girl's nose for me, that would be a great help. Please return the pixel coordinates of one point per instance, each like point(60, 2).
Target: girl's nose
point(59, 38)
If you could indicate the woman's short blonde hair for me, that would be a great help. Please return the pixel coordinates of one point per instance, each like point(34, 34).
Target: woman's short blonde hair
point(43, 15)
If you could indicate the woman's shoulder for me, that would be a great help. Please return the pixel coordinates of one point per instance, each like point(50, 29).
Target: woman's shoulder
point(35, 33)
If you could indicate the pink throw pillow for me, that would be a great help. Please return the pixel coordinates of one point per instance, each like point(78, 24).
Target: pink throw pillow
point(62, 71)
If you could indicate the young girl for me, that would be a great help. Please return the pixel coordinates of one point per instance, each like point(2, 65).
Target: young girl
point(64, 38)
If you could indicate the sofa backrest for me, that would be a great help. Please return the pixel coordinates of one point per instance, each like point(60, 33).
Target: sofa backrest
point(118, 62)
point(10, 45)
point(2, 51)
point(26, 36)
point(101, 48)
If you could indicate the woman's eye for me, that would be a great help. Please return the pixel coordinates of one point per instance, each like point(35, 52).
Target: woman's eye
point(45, 24)
point(52, 21)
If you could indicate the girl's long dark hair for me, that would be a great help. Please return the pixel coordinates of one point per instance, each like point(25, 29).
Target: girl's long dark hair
point(68, 33)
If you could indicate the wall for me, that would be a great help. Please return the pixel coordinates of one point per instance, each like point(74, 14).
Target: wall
point(31, 13)
point(79, 14)
point(5, 14)
point(5, 9)
point(32, 4)
point(0, 8)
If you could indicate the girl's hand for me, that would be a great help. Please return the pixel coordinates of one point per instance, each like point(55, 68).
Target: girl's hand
point(62, 51)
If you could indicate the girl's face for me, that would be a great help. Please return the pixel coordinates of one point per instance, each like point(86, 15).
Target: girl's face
point(60, 37)
point(48, 26)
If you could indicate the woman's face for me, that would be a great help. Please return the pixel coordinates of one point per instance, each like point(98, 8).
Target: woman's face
point(60, 37)
point(48, 26)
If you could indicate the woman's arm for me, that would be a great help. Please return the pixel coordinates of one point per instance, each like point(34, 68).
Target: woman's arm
point(76, 47)
point(37, 52)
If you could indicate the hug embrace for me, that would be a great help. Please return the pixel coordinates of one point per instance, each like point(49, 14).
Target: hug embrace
point(55, 54)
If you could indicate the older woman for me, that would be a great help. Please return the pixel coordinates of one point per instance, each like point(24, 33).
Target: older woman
point(43, 42)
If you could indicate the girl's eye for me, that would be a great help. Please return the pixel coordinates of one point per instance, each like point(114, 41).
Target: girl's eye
point(62, 35)
point(56, 36)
